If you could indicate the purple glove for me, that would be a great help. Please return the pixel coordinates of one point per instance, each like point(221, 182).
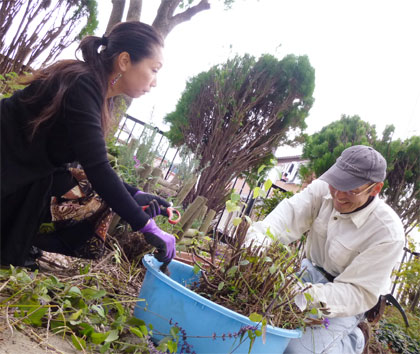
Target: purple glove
point(143, 199)
point(164, 242)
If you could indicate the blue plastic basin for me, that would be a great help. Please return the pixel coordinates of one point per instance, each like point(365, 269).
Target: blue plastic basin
point(167, 298)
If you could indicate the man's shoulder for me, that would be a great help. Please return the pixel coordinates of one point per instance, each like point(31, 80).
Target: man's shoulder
point(389, 219)
point(317, 188)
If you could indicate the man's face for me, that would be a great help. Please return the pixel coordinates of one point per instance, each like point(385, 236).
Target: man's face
point(347, 202)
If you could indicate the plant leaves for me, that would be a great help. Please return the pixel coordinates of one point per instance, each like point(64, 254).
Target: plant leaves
point(36, 317)
point(74, 316)
point(137, 332)
point(174, 331)
point(272, 269)
point(260, 169)
point(74, 291)
point(99, 310)
point(172, 346)
point(231, 207)
point(78, 342)
point(256, 192)
point(93, 294)
point(105, 348)
point(267, 184)
point(113, 335)
point(236, 221)
point(98, 338)
point(231, 272)
point(255, 317)
point(235, 197)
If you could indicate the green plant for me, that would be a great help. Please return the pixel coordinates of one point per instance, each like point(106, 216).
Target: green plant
point(268, 204)
point(92, 308)
point(257, 280)
point(409, 280)
point(392, 315)
point(399, 342)
point(9, 84)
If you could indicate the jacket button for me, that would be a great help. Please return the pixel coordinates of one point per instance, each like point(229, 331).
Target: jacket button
point(335, 218)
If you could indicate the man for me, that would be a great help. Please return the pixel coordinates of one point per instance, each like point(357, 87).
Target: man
point(354, 241)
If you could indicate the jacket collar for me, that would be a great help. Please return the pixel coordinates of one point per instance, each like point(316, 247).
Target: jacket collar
point(359, 217)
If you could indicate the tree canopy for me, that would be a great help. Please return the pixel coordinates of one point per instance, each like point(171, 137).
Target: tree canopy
point(324, 147)
point(402, 184)
point(237, 113)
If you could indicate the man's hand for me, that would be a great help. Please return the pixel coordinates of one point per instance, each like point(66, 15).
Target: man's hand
point(164, 242)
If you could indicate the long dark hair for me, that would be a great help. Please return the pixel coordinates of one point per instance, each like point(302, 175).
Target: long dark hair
point(136, 38)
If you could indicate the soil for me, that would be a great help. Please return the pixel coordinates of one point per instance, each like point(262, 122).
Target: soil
point(34, 341)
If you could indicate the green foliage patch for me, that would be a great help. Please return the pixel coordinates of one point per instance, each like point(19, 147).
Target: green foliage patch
point(394, 337)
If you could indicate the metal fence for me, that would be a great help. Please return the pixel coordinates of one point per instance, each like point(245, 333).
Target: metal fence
point(407, 257)
point(133, 128)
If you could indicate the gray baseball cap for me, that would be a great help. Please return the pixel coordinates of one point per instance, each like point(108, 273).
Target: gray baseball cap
point(357, 165)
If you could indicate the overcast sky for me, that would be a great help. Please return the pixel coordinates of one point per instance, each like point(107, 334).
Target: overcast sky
point(366, 55)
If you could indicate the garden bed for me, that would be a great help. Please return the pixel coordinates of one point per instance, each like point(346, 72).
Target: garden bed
point(38, 340)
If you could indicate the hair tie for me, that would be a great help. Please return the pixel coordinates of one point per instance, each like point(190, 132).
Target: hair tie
point(104, 41)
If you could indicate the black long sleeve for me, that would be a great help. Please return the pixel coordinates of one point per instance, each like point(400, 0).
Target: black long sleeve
point(82, 111)
point(130, 189)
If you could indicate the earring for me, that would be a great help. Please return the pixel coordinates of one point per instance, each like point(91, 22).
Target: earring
point(115, 79)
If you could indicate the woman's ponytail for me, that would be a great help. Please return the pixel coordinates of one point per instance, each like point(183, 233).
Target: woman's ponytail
point(89, 46)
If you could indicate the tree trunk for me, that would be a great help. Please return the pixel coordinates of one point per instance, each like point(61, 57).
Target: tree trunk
point(116, 14)
point(134, 10)
point(165, 21)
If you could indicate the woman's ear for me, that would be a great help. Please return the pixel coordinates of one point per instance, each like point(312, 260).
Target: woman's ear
point(123, 61)
point(377, 189)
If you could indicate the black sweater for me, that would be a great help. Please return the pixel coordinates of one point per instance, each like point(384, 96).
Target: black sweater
point(74, 134)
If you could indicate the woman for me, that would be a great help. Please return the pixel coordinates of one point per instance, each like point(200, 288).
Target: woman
point(62, 117)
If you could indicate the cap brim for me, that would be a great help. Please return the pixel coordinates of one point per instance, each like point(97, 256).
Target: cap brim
point(341, 180)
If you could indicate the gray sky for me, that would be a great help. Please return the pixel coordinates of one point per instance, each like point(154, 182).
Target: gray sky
point(366, 55)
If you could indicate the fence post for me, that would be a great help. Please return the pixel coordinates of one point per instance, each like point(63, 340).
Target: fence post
point(172, 163)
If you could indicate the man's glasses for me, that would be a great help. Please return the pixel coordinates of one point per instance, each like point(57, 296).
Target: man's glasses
point(353, 193)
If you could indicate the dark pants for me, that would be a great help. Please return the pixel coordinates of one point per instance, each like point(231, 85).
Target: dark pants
point(24, 211)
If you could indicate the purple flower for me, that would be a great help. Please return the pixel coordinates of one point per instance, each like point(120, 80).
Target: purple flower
point(137, 165)
point(326, 323)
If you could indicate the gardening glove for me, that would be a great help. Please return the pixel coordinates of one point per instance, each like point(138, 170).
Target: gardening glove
point(143, 199)
point(164, 242)
point(300, 298)
point(154, 209)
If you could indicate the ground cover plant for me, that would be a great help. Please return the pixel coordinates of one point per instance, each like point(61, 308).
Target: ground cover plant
point(392, 333)
point(90, 303)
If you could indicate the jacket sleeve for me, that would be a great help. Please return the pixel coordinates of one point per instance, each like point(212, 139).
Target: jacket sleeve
point(82, 109)
point(291, 217)
point(357, 289)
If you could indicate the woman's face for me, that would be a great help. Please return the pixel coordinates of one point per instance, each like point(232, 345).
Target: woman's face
point(140, 77)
